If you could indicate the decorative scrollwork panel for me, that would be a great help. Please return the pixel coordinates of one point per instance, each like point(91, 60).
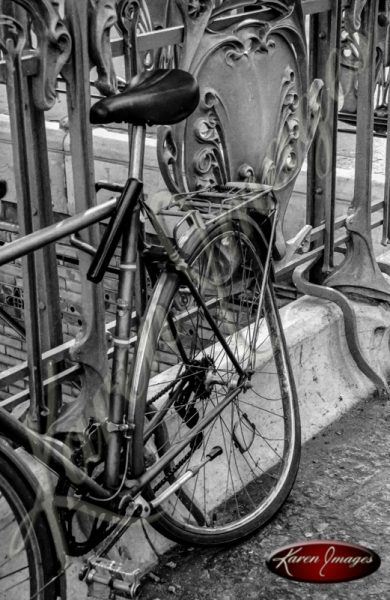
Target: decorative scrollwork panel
point(354, 54)
point(257, 115)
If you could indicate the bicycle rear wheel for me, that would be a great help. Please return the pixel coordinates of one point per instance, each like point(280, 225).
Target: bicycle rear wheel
point(28, 565)
point(182, 373)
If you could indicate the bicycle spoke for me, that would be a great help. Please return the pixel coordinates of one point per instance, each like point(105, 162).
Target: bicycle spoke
point(253, 472)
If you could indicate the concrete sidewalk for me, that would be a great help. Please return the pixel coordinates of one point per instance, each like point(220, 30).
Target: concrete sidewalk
point(342, 493)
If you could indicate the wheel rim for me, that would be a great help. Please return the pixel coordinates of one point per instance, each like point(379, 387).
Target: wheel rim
point(20, 573)
point(258, 452)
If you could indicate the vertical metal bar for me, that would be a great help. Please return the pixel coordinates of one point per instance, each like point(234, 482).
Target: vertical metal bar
point(45, 259)
point(41, 293)
point(365, 123)
point(386, 208)
point(359, 273)
point(17, 102)
point(90, 349)
point(324, 64)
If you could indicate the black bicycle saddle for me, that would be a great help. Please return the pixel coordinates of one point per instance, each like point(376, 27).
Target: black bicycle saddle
point(160, 97)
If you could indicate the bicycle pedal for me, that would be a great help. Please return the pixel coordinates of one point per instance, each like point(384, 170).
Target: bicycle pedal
point(108, 579)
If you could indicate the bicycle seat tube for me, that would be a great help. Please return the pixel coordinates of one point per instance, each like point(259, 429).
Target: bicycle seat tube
point(116, 425)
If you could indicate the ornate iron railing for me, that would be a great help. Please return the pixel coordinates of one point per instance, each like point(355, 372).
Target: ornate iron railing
point(259, 109)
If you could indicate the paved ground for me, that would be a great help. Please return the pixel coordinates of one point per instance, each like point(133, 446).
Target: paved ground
point(342, 493)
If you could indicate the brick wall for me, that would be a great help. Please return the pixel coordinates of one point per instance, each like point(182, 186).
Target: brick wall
point(111, 164)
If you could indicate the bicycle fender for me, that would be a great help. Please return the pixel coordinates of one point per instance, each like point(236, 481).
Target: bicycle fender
point(243, 221)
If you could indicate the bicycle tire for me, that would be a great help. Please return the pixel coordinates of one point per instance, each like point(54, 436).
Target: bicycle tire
point(28, 564)
point(208, 517)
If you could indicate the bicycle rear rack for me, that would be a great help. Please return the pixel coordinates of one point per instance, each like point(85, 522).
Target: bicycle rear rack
point(195, 209)
point(216, 200)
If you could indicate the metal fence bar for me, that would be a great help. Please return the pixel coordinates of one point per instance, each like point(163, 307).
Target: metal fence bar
point(38, 239)
point(50, 324)
point(153, 40)
point(360, 272)
point(20, 102)
point(324, 64)
point(15, 93)
point(28, 98)
point(326, 236)
point(54, 355)
point(386, 220)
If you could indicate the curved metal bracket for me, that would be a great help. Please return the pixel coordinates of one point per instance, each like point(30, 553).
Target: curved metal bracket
point(326, 293)
point(353, 15)
point(293, 245)
point(102, 17)
point(54, 49)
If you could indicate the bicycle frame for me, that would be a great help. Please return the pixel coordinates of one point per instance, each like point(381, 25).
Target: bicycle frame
point(128, 208)
point(124, 214)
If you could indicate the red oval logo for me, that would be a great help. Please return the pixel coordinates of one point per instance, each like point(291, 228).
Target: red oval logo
point(323, 561)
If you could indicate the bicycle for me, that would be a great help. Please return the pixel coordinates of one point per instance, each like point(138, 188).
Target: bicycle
point(212, 317)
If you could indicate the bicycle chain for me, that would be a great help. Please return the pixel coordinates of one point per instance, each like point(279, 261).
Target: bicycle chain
point(173, 471)
point(184, 459)
point(161, 393)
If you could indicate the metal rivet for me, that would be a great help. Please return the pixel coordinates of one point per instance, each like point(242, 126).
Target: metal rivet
point(383, 20)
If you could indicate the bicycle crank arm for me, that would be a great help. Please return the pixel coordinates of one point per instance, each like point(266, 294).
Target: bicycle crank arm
point(138, 508)
point(180, 481)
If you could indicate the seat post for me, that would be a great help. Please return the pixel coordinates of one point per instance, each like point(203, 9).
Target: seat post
point(137, 151)
point(136, 133)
